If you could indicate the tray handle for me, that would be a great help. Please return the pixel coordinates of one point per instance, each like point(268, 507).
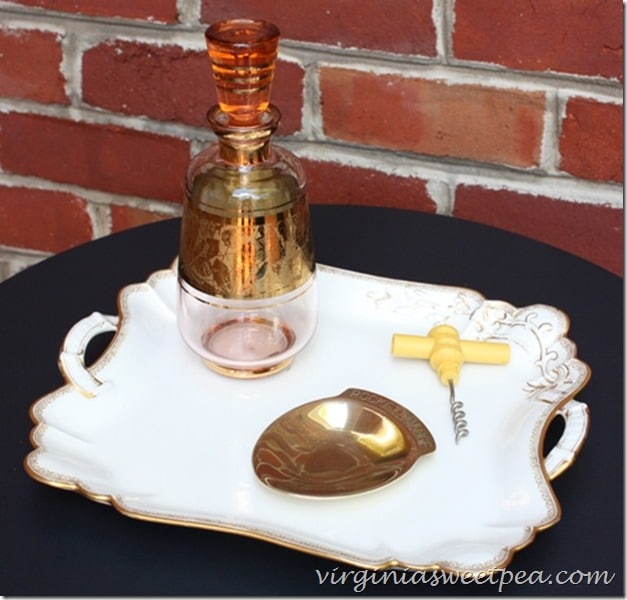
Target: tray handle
point(72, 355)
point(577, 422)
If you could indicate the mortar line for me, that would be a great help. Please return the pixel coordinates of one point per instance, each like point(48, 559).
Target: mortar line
point(94, 116)
point(441, 18)
point(559, 186)
point(549, 147)
point(312, 121)
point(90, 195)
point(188, 12)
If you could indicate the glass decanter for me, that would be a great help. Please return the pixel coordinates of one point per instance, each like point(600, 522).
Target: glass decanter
point(247, 299)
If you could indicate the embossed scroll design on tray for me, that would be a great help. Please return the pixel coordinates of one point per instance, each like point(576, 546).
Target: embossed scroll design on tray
point(538, 329)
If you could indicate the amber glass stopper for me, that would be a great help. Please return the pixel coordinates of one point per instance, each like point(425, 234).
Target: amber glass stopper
point(243, 54)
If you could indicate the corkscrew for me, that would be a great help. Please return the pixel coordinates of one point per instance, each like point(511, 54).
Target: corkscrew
point(460, 425)
point(446, 353)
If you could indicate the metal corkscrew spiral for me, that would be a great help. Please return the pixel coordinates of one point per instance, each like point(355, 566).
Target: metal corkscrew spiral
point(446, 354)
point(460, 425)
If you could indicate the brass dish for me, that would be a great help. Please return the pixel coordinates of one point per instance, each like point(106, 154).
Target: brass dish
point(346, 444)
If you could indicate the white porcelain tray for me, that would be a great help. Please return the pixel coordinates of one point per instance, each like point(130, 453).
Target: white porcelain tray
point(152, 431)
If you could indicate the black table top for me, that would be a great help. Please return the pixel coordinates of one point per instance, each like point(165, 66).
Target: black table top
point(59, 543)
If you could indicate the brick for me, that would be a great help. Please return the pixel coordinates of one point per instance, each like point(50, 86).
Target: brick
point(589, 231)
point(578, 36)
point(42, 220)
point(433, 118)
point(30, 66)
point(170, 83)
point(287, 94)
point(591, 142)
point(167, 83)
point(407, 28)
point(161, 11)
point(333, 183)
point(125, 217)
point(102, 157)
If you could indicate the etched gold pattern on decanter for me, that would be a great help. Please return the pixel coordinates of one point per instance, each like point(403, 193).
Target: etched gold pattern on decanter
point(247, 251)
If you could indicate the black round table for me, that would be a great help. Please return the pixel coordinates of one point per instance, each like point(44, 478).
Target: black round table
point(59, 543)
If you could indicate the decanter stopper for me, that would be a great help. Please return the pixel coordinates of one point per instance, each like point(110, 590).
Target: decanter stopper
point(243, 55)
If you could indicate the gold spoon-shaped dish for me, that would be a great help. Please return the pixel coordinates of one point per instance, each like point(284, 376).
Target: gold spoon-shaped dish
point(346, 444)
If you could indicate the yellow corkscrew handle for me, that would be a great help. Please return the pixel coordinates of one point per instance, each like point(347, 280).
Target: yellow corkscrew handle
point(446, 352)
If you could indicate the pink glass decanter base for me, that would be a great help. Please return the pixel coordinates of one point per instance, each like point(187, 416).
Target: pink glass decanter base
point(251, 340)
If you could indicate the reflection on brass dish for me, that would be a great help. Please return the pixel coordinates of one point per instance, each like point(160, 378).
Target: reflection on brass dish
point(347, 444)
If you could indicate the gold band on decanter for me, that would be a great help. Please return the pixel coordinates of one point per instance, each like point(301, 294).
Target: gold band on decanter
point(246, 253)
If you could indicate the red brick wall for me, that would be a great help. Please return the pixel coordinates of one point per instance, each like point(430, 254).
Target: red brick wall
point(506, 113)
